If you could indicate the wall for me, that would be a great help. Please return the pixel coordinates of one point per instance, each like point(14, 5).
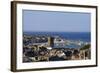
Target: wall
point(5, 37)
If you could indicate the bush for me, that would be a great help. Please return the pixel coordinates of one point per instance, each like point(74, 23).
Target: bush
point(85, 47)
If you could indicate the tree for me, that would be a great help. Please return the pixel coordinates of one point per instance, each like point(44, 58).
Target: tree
point(85, 47)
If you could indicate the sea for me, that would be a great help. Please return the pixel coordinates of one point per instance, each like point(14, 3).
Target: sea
point(72, 36)
point(75, 36)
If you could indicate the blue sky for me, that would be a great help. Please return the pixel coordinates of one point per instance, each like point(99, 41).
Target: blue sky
point(56, 21)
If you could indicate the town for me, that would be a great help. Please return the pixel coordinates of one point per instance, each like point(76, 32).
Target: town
point(39, 48)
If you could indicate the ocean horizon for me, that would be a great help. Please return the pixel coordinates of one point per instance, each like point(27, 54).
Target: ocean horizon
point(82, 36)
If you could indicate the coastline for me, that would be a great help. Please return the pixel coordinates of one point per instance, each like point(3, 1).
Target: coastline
point(43, 47)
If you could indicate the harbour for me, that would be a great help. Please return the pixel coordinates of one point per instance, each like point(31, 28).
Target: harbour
point(53, 47)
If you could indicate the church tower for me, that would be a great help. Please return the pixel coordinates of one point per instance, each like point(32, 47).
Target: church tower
point(50, 41)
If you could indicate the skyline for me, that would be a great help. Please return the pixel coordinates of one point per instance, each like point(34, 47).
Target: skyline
point(48, 21)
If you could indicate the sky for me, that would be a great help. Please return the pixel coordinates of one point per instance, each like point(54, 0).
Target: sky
point(54, 21)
